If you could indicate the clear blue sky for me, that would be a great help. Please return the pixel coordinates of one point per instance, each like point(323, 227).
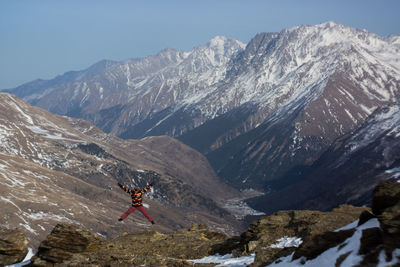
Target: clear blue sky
point(45, 38)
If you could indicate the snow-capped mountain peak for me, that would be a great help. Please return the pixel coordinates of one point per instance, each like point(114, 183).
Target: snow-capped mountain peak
point(222, 43)
point(317, 83)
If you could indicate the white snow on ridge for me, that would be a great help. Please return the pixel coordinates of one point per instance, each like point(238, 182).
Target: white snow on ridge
point(10, 202)
point(17, 108)
point(227, 260)
point(45, 133)
point(286, 242)
point(329, 257)
point(302, 65)
point(47, 216)
point(57, 134)
point(395, 173)
point(28, 228)
point(389, 120)
point(296, 68)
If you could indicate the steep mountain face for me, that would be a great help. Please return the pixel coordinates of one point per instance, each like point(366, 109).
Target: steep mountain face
point(259, 112)
point(55, 168)
point(118, 95)
point(330, 79)
point(347, 172)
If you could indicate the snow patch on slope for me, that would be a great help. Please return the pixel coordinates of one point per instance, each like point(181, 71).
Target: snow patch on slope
point(328, 258)
point(286, 242)
point(227, 260)
point(387, 122)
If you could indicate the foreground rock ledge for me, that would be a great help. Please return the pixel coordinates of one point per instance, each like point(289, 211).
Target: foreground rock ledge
point(68, 245)
point(13, 246)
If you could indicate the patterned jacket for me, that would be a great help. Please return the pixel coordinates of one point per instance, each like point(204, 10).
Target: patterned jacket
point(136, 194)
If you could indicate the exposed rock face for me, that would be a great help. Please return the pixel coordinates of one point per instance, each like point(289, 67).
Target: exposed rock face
point(386, 205)
point(346, 173)
point(369, 241)
point(13, 246)
point(386, 196)
point(371, 245)
point(294, 223)
point(377, 241)
point(303, 223)
point(68, 245)
point(320, 243)
point(63, 242)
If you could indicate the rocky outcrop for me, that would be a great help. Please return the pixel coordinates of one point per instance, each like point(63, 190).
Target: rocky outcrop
point(386, 206)
point(375, 243)
point(303, 224)
point(68, 245)
point(13, 246)
point(357, 236)
point(320, 243)
point(63, 243)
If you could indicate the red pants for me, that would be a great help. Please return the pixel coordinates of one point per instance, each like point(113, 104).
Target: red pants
point(141, 209)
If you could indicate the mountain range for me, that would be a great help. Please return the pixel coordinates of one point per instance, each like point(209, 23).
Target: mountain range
point(287, 113)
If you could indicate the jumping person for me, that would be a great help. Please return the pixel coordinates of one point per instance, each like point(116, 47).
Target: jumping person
point(137, 204)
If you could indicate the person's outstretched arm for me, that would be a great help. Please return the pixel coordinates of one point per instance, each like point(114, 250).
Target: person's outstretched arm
point(144, 190)
point(126, 189)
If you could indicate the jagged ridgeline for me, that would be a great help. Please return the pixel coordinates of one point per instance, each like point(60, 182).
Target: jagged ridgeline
point(265, 114)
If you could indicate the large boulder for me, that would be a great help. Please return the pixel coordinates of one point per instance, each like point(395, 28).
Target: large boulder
point(13, 246)
point(386, 195)
point(304, 224)
point(63, 243)
point(377, 232)
point(386, 206)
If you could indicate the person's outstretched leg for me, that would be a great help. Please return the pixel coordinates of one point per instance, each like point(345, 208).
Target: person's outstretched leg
point(143, 211)
point(129, 211)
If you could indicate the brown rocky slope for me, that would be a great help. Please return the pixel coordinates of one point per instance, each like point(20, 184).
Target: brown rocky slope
point(57, 169)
